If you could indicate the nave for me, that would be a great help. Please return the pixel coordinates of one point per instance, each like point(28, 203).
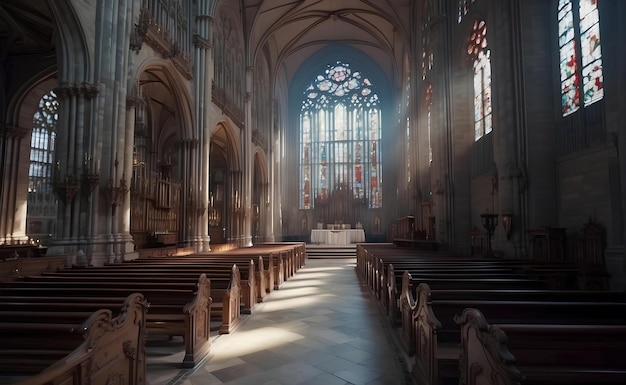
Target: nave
point(322, 327)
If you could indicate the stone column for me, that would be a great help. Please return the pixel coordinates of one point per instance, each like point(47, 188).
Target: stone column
point(73, 177)
point(248, 164)
point(126, 250)
point(273, 192)
point(196, 203)
point(15, 148)
point(203, 71)
point(613, 33)
point(442, 129)
point(234, 208)
point(504, 39)
point(265, 212)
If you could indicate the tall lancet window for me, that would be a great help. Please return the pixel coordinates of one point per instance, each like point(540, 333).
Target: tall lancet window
point(41, 208)
point(585, 33)
point(479, 54)
point(340, 135)
point(428, 100)
point(463, 7)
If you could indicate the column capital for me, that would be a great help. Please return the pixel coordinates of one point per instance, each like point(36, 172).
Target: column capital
point(76, 89)
point(134, 101)
point(192, 143)
point(201, 42)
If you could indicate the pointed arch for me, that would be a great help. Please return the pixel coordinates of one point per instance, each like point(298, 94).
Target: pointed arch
point(73, 52)
point(480, 55)
point(340, 137)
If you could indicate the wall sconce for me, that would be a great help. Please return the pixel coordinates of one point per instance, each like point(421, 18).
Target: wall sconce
point(507, 223)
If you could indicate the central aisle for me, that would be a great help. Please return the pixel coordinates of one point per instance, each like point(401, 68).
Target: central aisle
point(320, 327)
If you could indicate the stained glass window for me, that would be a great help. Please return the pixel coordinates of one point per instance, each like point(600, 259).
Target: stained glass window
point(569, 75)
point(407, 148)
point(429, 103)
point(479, 54)
point(41, 209)
point(427, 51)
point(593, 89)
point(42, 144)
point(589, 55)
point(463, 8)
point(340, 137)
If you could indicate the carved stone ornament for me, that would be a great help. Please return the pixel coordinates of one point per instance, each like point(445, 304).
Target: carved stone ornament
point(141, 29)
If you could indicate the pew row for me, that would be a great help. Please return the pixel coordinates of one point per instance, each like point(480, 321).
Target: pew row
point(275, 265)
point(437, 336)
point(540, 354)
point(172, 269)
point(176, 308)
point(226, 286)
point(253, 276)
point(101, 347)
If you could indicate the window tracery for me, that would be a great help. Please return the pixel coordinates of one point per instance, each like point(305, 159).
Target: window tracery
point(41, 208)
point(580, 54)
point(463, 7)
point(480, 56)
point(340, 136)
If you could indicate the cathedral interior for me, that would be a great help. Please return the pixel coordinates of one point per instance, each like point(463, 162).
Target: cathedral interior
point(171, 170)
point(128, 125)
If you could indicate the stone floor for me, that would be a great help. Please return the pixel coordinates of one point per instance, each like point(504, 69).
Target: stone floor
point(321, 327)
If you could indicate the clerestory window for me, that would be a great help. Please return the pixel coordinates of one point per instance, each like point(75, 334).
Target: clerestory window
point(480, 56)
point(580, 54)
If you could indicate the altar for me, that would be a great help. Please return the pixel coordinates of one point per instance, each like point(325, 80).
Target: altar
point(337, 237)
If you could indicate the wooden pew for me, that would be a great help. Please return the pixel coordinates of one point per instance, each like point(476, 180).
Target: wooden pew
point(534, 353)
point(474, 279)
point(296, 253)
point(172, 269)
point(284, 257)
point(176, 308)
point(225, 287)
point(437, 335)
point(274, 263)
point(12, 268)
point(90, 348)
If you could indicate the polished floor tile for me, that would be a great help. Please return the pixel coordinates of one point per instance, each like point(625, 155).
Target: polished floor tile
point(321, 327)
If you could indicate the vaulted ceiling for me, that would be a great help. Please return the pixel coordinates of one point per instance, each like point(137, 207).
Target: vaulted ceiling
point(25, 28)
point(294, 30)
point(291, 31)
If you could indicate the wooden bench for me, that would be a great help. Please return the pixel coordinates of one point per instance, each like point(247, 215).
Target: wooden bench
point(219, 272)
point(437, 335)
point(12, 268)
point(474, 279)
point(82, 348)
point(295, 253)
point(176, 308)
point(536, 353)
point(225, 284)
point(274, 263)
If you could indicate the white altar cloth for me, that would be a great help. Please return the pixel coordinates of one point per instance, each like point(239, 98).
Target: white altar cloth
point(337, 237)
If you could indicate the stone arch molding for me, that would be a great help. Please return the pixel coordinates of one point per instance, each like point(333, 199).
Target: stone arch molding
point(75, 56)
point(173, 80)
point(227, 136)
